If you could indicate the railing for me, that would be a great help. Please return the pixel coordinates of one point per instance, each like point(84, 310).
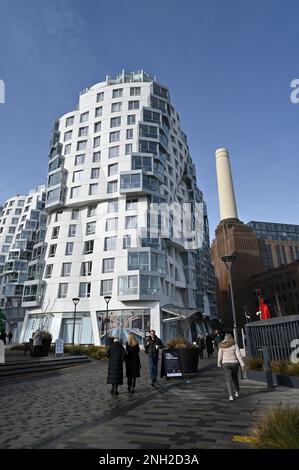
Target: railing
point(276, 333)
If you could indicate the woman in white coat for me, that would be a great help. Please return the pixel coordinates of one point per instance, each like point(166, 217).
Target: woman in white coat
point(229, 357)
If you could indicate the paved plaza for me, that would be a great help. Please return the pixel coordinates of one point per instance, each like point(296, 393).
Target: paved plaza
point(73, 408)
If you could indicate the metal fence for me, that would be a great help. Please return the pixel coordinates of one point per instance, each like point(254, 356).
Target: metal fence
point(275, 333)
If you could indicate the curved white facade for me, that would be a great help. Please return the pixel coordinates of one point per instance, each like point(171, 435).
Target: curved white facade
point(119, 152)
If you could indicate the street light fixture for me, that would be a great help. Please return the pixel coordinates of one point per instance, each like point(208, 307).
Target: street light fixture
point(228, 261)
point(75, 300)
point(107, 299)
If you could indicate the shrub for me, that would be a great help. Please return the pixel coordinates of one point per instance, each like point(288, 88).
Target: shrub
point(285, 368)
point(278, 428)
point(96, 352)
point(179, 343)
point(255, 363)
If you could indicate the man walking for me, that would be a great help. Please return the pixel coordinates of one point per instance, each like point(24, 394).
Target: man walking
point(152, 346)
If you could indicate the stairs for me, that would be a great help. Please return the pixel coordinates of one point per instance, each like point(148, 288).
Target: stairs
point(40, 365)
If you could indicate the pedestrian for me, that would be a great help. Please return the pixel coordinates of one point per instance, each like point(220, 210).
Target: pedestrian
point(209, 345)
point(37, 343)
point(3, 337)
point(9, 337)
point(201, 345)
point(116, 355)
point(152, 346)
point(229, 357)
point(133, 365)
point(218, 337)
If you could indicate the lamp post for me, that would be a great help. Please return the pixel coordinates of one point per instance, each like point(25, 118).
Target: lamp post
point(107, 299)
point(228, 261)
point(75, 300)
point(258, 292)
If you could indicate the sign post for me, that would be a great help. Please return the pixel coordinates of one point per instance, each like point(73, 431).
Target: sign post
point(59, 347)
point(171, 364)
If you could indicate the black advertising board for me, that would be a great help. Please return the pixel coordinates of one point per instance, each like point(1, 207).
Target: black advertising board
point(172, 363)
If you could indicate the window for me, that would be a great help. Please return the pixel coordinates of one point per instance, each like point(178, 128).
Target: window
point(9, 239)
point(84, 117)
point(90, 228)
point(97, 126)
point(55, 232)
point(147, 146)
point(129, 134)
point(96, 157)
point(129, 149)
point(97, 141)
point(79, 159)
point(83, 131)
point(62, 290)
point(66, 269)
point(67, 149)
point(93, 189)
point(58, 215)
point(91, 211)
point(67, 135)
point(151, 116)
point(100, 96)
point(112, 186)
point(52, 251)
point(84, 289)
point(113, 206)
point(117, 93)
point(131, 119)
point(111, 224)
point(88, 247)
point(112, 169)
point(148, 131)
point(48, 271)
point(114, 136)
point(144, 163)
point(86, 268)
point(116, 107)
point(115, 122)
point(135, 91)
point(127, 241)
point(69, 248)
point(75, 192)
point(131, 221)
point(106, 286)
point(72, 230)
point(69, 121)
point(131, 204)
point(99, 111)
point(110, 243)
point(75, 214)
point(77, 176)
point(95, 173)
point(138, 261)
point(81, 145)
point(128, 285)
point(108, 265)
point(114, 151)
point(133, 105)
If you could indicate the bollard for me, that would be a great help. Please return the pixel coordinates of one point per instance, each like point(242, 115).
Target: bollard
point(267, 368)
point(2, 352)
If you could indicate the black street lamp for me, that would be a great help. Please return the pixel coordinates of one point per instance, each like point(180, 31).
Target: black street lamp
point(75, 300)
point(228, 261)
point(107, 299)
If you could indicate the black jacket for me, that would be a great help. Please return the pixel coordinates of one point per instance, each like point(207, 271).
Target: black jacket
point(133, 361)
point(150, 346)
point(116, 354)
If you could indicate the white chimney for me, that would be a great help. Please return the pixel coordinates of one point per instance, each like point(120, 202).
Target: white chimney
point(226, 194)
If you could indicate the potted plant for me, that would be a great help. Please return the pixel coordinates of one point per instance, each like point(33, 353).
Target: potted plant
point(188, 353)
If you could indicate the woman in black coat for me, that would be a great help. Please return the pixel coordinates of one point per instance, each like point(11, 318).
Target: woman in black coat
point(116, 354)
point(132, 362)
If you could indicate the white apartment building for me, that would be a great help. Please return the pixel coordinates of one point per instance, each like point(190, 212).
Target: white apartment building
point(22, 231)
point(119, 152)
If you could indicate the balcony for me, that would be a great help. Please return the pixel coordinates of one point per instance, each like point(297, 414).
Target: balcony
point(33, 293)
point(136, 182)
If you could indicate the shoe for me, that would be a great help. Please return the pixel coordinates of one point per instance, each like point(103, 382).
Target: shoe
point(129, 389)
point(132, 391)
point(116, 392)
point(237, 394)
point(231, 398)
point(112, 391)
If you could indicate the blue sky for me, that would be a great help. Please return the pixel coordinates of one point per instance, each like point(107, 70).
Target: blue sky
point(228, 65)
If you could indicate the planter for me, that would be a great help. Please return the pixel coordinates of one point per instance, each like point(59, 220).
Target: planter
point(278, 379)
point(45, 347)
point(189, 360)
